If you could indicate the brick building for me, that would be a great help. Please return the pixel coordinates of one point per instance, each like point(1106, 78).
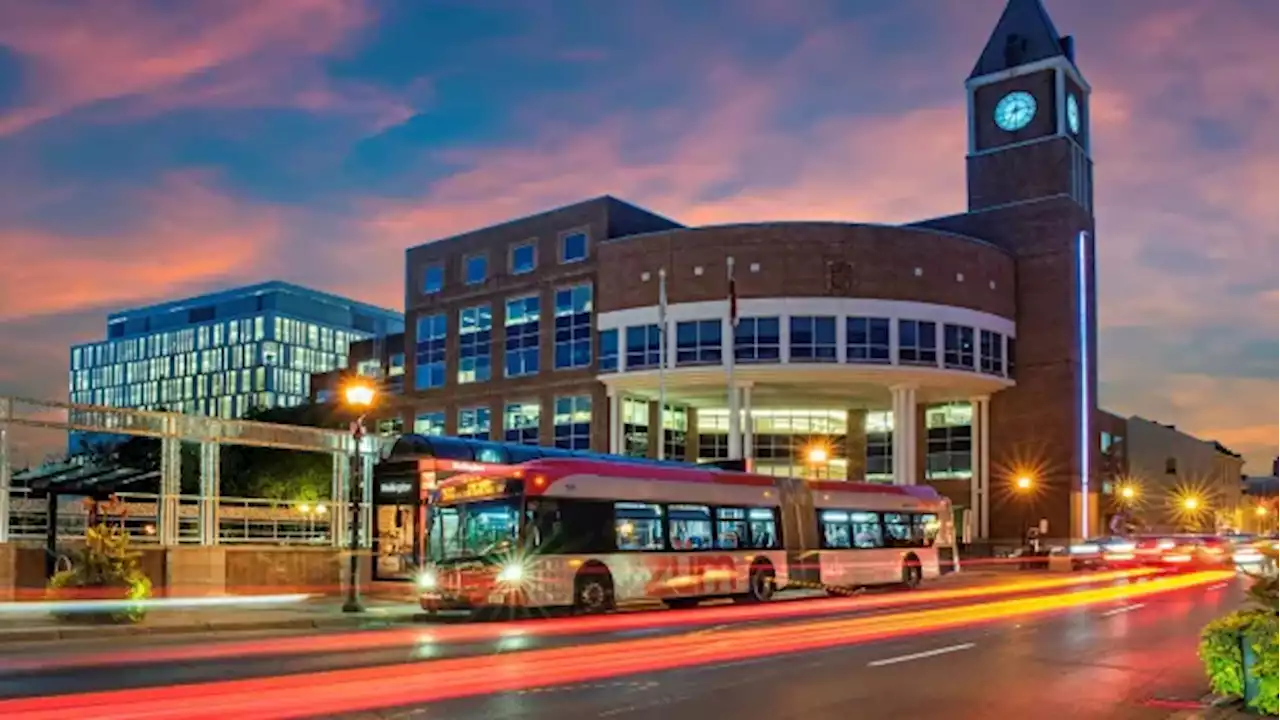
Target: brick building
point(957, 351)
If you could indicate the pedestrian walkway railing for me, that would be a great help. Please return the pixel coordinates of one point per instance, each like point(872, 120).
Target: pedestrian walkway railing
point(240, 520)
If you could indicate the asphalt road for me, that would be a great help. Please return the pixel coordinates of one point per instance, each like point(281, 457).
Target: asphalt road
point(1100, 661)
point(1122, 660)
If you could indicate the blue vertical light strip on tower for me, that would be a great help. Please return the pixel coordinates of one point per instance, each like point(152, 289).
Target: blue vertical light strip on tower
point(1086, 447)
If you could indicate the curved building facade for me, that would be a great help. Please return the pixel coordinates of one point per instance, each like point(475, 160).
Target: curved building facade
point(957, 351)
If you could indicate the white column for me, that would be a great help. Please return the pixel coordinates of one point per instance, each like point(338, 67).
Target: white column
point(748, 427)
point(210, 490)
point(979, 500)
point(340, 505)
point(735, 423)
point(904, 435)
point(985, 464)
point(615, 421)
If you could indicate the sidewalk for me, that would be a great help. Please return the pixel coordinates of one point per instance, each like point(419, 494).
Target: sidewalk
point(309, 614)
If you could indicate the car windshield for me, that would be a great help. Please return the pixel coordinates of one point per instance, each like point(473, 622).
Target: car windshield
point(474, 530)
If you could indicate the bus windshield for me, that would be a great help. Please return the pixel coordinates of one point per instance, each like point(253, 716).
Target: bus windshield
point(474, 530)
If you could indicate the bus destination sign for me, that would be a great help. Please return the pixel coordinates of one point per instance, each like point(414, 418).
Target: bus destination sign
point(474, 489)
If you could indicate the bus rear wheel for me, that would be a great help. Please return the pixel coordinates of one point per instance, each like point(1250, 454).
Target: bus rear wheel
point(912, 573)
point(592, 593)
point(761, 585)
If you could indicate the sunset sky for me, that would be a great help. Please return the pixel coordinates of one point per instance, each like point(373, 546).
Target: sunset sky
point(156, 149)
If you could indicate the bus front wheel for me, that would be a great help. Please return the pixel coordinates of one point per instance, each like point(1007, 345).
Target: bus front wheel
point(593, 591)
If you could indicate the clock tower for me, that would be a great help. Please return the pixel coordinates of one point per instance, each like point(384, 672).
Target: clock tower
point(1030, 192)
point(1028, 115)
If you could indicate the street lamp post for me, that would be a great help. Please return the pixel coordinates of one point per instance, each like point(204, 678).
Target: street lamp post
point(358, 396)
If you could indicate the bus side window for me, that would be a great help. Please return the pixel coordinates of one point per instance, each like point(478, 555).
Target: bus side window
point(835, 529)
point(587, 527)
point(764, 529)
point(866, 530)
point(731, 528)
point(924, 528)
point(689, 527)
point(897, 530)
point(638, 526)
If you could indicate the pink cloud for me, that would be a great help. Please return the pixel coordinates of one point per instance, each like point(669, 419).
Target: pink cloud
point(198, 53)
point(187, 233)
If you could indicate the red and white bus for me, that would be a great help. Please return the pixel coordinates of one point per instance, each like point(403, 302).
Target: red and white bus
point(590, 534)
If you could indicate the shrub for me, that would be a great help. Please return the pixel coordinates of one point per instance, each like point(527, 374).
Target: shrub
point(1223, 656)
point(107, 561)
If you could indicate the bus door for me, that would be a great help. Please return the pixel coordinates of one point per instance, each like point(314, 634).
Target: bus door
point(799, 530)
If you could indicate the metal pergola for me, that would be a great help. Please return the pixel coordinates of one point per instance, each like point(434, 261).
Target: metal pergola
point(172, 429)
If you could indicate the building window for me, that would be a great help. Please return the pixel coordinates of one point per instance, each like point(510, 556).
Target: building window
point(813, 339)
point(1171, 466)
point(1008, 357)
point(757, 340)
point(475, 269)
point(432, 279)
point(698, 342)
point(867, 340)
point(474, 423)
point(524, 257)
point(991, 352)
point(475, 340)
point(520, 423)
point(879, 428)
point(573, 247)
point(675, 423)
point(429, 356)
point(573, 422)
point(635, 427)
point(429, 423)
point(949, 454)
point(609, 350)
point(643, 347)
point(917, 342)
point(957, 347)
point(573, 327)
point(523, 316)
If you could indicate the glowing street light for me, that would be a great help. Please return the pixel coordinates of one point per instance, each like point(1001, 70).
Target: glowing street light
point(358, 395)
point(817, 455)
point(1260, 511)
point(1024, 483)
point(1190, 504)
point(1128, 493)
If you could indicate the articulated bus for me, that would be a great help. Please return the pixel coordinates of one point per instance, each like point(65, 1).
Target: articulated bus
point(590, 534)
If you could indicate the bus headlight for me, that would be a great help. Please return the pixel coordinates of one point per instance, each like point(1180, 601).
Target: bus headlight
point(511, 573)
point(427, 580)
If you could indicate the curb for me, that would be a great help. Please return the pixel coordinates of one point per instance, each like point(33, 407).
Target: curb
point(95, 632)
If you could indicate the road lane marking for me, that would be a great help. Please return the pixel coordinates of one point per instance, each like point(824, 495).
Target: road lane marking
point(920, 655)
point(1125, 609)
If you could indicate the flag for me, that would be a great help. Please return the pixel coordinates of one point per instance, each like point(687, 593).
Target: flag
point(733, 296)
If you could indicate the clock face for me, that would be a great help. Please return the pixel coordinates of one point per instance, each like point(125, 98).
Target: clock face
point(1073, 114)
point(1015, 110)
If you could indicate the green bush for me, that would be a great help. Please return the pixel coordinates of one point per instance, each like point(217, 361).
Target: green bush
point(1220, 647)
point(107, 561)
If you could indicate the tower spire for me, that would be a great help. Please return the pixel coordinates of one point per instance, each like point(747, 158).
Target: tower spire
point(1023, 35)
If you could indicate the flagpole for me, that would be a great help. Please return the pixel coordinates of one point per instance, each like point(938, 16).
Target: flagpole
point(735, 419)
point(662, 363)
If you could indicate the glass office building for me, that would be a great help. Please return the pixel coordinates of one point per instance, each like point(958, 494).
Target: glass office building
point(225, 353)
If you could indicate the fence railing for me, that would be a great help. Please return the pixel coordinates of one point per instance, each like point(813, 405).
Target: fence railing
point(240, 520)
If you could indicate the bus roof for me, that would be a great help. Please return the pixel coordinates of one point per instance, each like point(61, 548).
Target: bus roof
point(552, 469)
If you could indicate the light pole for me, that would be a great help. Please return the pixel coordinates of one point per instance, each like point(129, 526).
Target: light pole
point(357, 396)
